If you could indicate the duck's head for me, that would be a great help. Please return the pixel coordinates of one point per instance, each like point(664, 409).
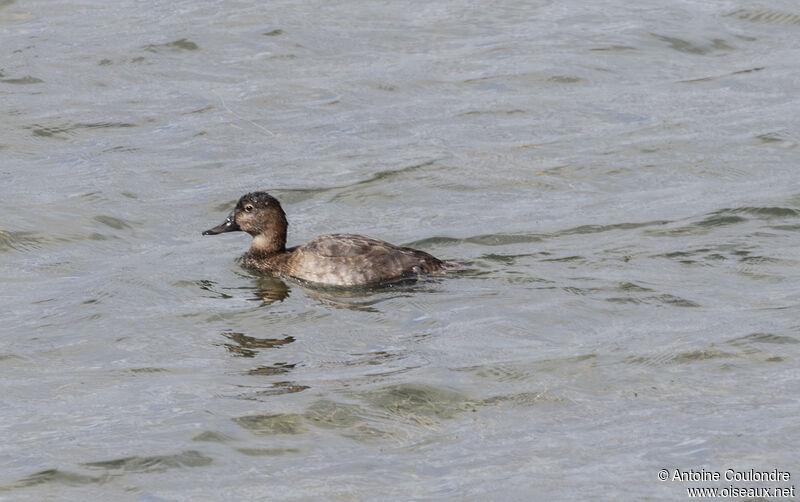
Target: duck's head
point(257, 213)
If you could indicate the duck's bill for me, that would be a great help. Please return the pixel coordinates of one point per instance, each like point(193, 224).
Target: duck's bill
point(227, 226)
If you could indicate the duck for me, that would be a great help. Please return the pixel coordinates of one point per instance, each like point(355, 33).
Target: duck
point(330, 260)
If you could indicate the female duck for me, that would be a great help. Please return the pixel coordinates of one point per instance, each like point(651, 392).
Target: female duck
point(336, 260)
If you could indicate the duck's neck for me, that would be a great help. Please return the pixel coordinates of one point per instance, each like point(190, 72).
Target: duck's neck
point(269, 242)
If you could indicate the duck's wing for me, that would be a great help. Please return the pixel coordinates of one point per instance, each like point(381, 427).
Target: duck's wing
point(348, 259)
point(346, 245)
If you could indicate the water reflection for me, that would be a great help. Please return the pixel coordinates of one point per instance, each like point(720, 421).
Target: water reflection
point(391, 411)
point(415, 401)
point(56, 476)
point(359, 298)
point(182, 44)
point(19, 241)
point(269, 452)
point(275, 389)
point(155, 463)
point(113, 468)
point(272, 424)
point(209, 286)
point(246, 346)
point(275, 369)
point(385, 412)
point(351, 420)
point(271, 290)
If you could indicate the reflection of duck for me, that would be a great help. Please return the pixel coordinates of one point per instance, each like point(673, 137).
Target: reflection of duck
point(336, 260)
point(246, 346)
point(272, 289)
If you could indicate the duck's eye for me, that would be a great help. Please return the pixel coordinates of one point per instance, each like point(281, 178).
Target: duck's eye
point(248, 208)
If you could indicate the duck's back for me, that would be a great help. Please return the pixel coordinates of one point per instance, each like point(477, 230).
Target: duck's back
point(348, 259)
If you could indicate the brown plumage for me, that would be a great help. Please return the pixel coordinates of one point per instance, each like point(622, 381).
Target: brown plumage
point(338, 259)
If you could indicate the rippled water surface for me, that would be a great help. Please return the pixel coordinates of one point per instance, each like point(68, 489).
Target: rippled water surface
point(619, 176)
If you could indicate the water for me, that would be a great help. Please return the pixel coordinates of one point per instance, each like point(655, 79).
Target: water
point(621, 178)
